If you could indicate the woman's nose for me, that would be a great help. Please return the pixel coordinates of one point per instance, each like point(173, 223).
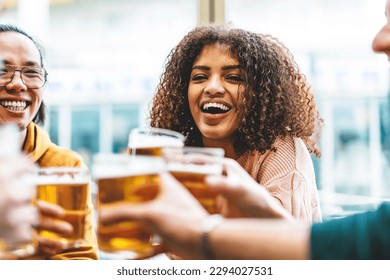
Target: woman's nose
point(215, 86)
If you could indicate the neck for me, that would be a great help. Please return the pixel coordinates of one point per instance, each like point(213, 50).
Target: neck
point(227, 145)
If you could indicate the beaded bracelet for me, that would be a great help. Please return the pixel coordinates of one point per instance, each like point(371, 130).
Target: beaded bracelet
point(210, 224)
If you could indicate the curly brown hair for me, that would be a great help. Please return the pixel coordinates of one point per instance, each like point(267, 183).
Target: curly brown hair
point(277, 100)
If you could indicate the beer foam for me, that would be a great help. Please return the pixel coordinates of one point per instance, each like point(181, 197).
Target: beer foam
point(152, 141)
point(155, 137)
point(66, 179)
point(129, 166)
point(206, 169)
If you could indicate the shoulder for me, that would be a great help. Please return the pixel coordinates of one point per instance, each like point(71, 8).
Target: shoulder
point(284, 152)
point(60, 156)
point(293, 152)
point(289, 155)
point(289, 145)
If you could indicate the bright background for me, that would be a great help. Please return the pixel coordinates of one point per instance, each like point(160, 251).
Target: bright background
point(104, 59)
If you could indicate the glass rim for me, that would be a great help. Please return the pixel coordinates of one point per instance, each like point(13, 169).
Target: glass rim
point(163, 131)
point(61, 175)
point(111, 165)
point(211, 151)
point(63, 168)
point(122, 157)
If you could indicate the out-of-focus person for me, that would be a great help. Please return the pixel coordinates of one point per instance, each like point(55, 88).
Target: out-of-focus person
point(17, 213)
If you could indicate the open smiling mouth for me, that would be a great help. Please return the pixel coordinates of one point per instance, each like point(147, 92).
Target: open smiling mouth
point(14, 105)
point(215, 108)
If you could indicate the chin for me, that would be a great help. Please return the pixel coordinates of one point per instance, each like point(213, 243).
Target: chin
point(213, 134)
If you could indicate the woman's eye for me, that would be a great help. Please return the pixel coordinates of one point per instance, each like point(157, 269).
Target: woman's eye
point(235, 78)
point(199, 77)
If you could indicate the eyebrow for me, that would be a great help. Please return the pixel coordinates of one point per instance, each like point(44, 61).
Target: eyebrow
point(228, 67)
point(28, 63)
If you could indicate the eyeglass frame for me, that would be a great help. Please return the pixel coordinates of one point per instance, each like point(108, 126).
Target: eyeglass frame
point(21, 75)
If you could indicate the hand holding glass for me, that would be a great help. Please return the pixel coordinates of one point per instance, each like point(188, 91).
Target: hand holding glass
point(17, 213)
point(187, 166)
point(124, 179)
point(66, 187)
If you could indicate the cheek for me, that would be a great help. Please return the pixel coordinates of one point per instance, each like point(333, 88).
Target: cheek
point(37, 98)
point(37, 95)
point(193, 110)
point(192, 101)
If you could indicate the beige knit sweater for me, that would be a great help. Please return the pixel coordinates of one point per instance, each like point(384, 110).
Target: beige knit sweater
point(288, 174)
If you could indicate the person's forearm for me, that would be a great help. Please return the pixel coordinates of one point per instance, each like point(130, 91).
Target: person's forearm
point(259, 239)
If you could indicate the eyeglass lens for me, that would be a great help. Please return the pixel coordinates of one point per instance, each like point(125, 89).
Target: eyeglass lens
point(32, 76)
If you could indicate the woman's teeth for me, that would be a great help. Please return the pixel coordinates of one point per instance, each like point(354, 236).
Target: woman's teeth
point(214, 105)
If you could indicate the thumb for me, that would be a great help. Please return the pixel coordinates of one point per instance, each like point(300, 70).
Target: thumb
point(222, 185)
point(122, 211)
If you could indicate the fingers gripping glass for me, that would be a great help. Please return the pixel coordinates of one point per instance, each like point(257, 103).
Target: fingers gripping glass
point(32, 76)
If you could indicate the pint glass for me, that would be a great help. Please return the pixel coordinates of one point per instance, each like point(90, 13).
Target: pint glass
point(150, 141)
point(17, 237)
point(191, 172)
point(123, 179)
point(12, 244)
point(66, 187)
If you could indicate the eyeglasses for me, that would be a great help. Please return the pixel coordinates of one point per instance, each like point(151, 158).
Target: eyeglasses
point(32, 76)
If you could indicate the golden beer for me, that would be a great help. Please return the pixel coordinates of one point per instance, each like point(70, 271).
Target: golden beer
point(146, 151)
point(67, 188)
point(195, 183)
point(131, 179)
point(126, 235)
point(192, 173)
point(150, 142)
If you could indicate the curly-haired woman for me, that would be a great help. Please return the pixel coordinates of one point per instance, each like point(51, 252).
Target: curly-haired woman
point(243, 92)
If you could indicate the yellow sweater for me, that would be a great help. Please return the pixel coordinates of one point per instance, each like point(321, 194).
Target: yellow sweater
point(45, 153)
point(288, 174)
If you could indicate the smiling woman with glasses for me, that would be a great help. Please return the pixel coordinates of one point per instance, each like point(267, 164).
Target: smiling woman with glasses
point(22, 80)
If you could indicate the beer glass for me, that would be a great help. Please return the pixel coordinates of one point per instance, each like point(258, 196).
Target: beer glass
point(150, 141)
point(17, 236)
point(191, 171)
point(14, 245)
point(123, 179)
point(66, 187)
